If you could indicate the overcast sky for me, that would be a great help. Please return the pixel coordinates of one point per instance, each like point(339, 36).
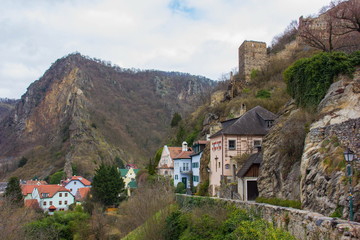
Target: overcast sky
point(200, 37)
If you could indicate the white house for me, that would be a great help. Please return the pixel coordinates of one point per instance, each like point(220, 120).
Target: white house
point(182, 167)
point(75, 183)
point(53, 197)
point(166, 163)
point(198, 148)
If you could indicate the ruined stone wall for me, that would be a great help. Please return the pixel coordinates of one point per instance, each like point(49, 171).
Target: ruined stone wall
point(304, 225)
point(252, 56)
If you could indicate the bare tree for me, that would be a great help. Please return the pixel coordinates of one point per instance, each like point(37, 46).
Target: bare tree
point(348, 15)
point(335, 29)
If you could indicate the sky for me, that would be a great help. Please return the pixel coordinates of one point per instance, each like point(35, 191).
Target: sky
point(200, 37)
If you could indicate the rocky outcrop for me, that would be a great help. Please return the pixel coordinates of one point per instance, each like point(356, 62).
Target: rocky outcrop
point(83, 112)
point(282, 149)
point(315, 174)
point(324, 186)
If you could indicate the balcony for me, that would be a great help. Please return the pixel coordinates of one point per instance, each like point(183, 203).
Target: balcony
point(185, 170)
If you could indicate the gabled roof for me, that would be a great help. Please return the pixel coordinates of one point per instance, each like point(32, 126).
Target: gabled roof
point(35, 182)
point(27, 189)
point(132, 184)
point(251, 123)
point(82, 193)
point(253, 159)
point(79, 178)
point(51, 190)
point(174, 151)
point(184, 155)
point(31, 203)
point(124, 171)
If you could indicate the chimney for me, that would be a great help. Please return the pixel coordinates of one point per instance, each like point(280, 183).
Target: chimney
point(184, 146)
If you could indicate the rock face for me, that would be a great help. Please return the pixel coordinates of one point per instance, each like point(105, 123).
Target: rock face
point(316, 175)
point(282, 148)
point(83, 112)
point(324, 186)
point(6, 105)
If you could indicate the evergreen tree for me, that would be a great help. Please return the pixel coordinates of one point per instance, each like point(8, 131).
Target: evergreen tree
point(107, 185)
point(175, 120)
point(13, 191)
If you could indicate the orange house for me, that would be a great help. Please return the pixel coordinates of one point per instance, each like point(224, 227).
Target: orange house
point(237, 136)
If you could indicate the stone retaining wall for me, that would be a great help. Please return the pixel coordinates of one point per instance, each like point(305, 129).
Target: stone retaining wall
point(304, 225)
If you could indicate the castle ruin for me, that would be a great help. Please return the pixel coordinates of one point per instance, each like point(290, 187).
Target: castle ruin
point(252, 56)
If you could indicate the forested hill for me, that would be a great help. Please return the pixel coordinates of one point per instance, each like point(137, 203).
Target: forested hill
point(85, 111)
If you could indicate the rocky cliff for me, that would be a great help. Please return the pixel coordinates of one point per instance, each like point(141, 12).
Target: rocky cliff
point(83, 112)
point(315, 174)
point(6, 105)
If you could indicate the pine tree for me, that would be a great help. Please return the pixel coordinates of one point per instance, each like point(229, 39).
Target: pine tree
point(107, 185)
point(13, 191)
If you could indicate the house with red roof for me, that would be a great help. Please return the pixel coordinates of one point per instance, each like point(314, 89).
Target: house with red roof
point(53, 197)
point(166, 164)
point(182, 166)
point(76, 182)
point(82, 193)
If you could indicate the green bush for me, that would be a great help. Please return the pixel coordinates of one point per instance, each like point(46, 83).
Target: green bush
point(202, 188)
point(279, 202)
point(263, 94)
point(22, 162)
point(56, 177)
point(180, 188)
point(308, 79)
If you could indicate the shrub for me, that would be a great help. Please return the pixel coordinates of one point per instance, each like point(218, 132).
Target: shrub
point(22, 162)
point(175, 120)
point(263, 94)
point(308, 79)
point(279, 202)
point(202, 188)
point(180, 188)
point(57, 177)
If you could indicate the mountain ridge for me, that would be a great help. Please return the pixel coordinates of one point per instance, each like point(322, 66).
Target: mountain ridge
point(83, 112)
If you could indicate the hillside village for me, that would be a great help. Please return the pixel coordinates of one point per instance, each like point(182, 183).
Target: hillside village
point(290, 162)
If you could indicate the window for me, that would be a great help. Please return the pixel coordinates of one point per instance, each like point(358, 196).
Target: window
point(70, 189)
point(74, 183)
point(166, 172)
point(44, 203)
point(195, 165)
point(219, 164)
point(60, 202)
point(66, 194)
point(45, 195)
point(60, 194)
point(50, 203)
point(232, 145)
point(269, 123)
point(196, 178)
point(176, 177)
point(65, 202)
point(257, 143)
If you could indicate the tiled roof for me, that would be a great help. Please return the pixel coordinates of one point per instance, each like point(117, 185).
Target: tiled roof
point(27, 189)
point(165, 166)
point(253, 159)
point(79, 178)
point(184, 155)
point(50, 189)
point(35, 182)
point(174, 151)
point(201, 142)
point(31, 203)
point(251, 123)
point(52, 207)
point(82, 193)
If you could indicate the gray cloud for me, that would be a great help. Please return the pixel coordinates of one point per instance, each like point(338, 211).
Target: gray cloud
point(196, 36)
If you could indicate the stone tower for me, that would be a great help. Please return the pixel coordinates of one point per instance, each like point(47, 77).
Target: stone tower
point(252, 56)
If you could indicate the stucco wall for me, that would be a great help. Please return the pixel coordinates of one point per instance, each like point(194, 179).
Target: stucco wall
point(304, 225)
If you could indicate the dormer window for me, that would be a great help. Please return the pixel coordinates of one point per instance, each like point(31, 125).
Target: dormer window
point(45, 195)
point(269, 123)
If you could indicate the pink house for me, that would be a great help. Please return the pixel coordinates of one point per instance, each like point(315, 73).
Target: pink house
point(237, 136)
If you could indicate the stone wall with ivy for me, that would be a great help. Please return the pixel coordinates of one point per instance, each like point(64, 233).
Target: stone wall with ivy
point(300, 223)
